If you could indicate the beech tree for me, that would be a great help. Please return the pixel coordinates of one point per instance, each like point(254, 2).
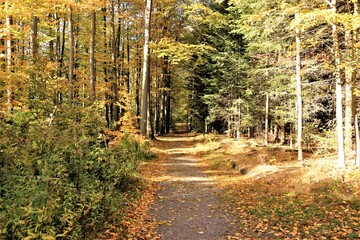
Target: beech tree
point(146, 73)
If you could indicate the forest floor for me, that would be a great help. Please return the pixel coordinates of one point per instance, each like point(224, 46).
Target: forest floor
point(210, 187)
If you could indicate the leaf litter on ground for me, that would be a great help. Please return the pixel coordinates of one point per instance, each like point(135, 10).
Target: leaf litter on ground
point(274, 197)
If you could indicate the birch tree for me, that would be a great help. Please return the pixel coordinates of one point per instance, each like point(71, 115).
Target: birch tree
point(338, 79)
point(146, 72)
point(299, 106)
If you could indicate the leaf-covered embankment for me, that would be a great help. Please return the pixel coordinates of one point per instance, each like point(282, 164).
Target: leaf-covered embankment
point(272, 196)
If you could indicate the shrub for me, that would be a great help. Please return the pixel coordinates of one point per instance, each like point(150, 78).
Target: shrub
point(57, 180)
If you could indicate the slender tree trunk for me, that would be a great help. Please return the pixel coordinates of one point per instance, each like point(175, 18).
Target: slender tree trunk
point(137, 83)
point(71, 54)
point(146, 73)
point(34, 52)
point(349, 87)
point(339, 116)
point(92, 56)
point(115, 107)
point(157, 99)
point(267, 120)
point(290, 135)
point(299, 106)
point(355, 114)
point(163, 112)
point(284, 134)
point(59, 55)
point(52, 51)
point(150, 119)
point(105, 69)
point(167, 74)
point(34, 41)
point(9, 60)
point(239, 121)
point(357, 132)
point(357, 135)
point(128, 58)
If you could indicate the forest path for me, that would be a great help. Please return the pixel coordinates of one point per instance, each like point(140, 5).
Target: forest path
point(186, 205)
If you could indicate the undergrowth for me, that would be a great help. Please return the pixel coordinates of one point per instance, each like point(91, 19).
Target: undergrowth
point(59, 179)
point(275, 198)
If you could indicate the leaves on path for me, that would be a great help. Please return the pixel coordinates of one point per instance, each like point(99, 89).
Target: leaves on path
point(265, 207)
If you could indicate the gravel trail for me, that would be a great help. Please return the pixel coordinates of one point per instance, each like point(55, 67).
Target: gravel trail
point(186, 204)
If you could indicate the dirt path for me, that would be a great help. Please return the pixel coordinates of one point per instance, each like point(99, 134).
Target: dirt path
point(186, 206)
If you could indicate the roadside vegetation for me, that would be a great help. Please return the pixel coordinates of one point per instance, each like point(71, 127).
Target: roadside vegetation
point(61, 177)
point(273, 196)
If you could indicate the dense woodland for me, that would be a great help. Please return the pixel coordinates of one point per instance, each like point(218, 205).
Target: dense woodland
point(76, 74)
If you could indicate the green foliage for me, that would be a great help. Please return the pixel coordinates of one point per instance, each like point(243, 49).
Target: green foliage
point(217, 77)
point(58, 178)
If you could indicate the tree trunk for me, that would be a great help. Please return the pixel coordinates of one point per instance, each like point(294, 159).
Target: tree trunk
point(9, 61)
point(167, 85)
point(34, 41)
point(238, 121)
point(137, 83)
point(267, 120)
point(146, 73)
point(115, 97)
point(157, 99)
point(128, 58)
point(339, 116)
point(349, 87)
point(34, 54)
point(92, 57)
point(162, 112)
point(299, 106)
point(355, 114)
point(105, 69)
point(357, 132)
point(71, 54)
point(60, 50)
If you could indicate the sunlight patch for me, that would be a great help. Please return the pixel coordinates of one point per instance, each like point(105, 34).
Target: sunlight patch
point(203, 180)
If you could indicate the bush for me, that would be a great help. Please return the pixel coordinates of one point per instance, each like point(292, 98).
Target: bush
point(57, 180)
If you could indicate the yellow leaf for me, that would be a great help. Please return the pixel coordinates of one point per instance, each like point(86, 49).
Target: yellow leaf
point(47, 237)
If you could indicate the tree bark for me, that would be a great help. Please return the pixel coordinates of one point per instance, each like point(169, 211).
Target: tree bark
point(357, 132)
point(115, 97)
point(34, 39)
point(157, 99)
point(9, 60)
point(105, 69)
point(167, 85)
point(92, 57)
point(128, 58)
point(299, 106)
point(71, 54)
point(355, 114)
point(339, 115)
point(146, 73)
point(59, 55)
point(267, 120)
point(34, 55)
point(238, 105)
point(349, 87)
point(137, 83)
